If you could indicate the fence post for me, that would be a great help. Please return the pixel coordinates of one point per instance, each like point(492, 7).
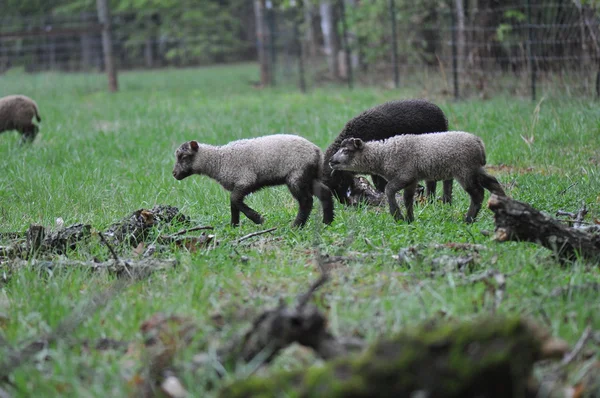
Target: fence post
point(598, 84)
point(298, 42)
point(109, 64)
point(271, 26)
point(454, 51)
point(529, 50)
point(346, 44)
point(392, 7)
point(262, 37)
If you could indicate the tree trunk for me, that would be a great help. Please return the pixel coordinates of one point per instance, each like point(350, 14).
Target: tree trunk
point(148, 55)
point(107, 47)
point(262, 40)
point(330, 36)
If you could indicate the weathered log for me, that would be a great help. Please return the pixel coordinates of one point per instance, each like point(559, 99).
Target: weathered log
point(518, 221)
point(492, 357)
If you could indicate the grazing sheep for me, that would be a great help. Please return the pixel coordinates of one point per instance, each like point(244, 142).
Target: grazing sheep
point(405, 159)
point(415, 116)
point(245, 166)
point(17, 113)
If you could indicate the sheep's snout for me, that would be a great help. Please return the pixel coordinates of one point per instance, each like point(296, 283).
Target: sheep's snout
point(179, 174)
point(338, 160)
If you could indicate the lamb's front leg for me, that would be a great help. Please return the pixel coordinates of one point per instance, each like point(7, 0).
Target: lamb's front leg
point(391, 188)
point(237, 205)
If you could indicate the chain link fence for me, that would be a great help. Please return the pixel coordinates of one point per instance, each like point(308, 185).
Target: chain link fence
point(531, 48)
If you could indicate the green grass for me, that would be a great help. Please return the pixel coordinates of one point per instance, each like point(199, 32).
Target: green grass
point(100, 156)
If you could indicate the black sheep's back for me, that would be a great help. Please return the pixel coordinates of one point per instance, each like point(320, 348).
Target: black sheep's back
point(414, 116)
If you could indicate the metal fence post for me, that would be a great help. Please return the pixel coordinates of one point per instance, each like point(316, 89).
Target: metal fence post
point(529, 50)
point(454, 51)
point(298, 41)
point(392, 5)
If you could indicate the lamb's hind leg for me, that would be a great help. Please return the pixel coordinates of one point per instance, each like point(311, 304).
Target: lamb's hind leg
point(475, 191)
point(321, 191)
point(430, 187)
point(237, 205)
point(447, 192)
point(409, 200)
point(303, 195)
point(390, 192)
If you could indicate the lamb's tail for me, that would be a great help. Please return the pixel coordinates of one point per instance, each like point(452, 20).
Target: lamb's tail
point(482, 149)
point(37, 112)
point(490, 183)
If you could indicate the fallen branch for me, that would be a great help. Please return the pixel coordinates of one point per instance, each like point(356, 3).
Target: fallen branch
point(563, 291)
point(134, 268)
point(569, 357)
point(253, 234)
point(491, 357)
point(576, 218)
point(198, 228)
point(518, 221)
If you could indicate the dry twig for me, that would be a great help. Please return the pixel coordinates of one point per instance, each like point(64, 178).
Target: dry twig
point(253, 234)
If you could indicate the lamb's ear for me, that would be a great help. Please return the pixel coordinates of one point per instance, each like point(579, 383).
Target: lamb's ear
point(194, 145)
point(358, 143)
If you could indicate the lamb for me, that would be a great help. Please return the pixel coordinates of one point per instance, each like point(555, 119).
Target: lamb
point(415, 116)
point(247, 165)
point(405, 159)
point(17, 113)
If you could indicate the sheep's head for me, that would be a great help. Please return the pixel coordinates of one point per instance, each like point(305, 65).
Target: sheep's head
point(185, 154)
point(343, 158)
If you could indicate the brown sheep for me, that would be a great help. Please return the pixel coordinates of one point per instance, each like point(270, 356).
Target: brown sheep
point(17, 113)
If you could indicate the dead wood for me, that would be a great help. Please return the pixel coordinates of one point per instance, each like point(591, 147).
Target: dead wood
point(134, 268)
point(198, 228)
point(575, 218)
point(568, 290)
point(135, 228)
point(518, 221)
point(253, 234)
point(492, 357)
point(273, 330)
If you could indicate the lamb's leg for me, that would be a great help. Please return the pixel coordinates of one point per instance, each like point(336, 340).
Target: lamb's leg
point(475, 191)
point(28, 134)
point(379, 182)
point(321, 191)
point(409, 200)
point(447, 194)
point(430, 187)
point(235, 215)
point(237, 200)
point(490, 183)
point(303, 195)
point(391, 188)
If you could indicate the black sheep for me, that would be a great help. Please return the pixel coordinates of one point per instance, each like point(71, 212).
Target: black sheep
point(414, 116)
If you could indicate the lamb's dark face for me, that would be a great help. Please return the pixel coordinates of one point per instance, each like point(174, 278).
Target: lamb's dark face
point(185, 155)
point(343, 158)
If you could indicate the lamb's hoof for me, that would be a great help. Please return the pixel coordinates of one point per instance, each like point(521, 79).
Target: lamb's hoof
point(469, 219)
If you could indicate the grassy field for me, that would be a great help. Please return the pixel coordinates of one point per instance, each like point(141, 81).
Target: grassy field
point(100, 156)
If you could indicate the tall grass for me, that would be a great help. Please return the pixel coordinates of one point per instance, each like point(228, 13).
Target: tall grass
point(100, 156)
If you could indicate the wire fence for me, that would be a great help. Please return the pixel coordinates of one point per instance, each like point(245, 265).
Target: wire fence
point(530, 49)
